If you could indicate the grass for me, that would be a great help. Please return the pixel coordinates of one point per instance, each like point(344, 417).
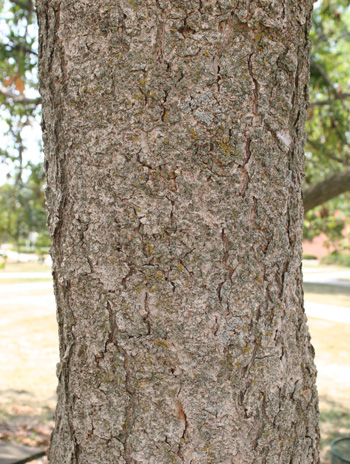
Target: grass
point(335, 423)
point(327, 294)
point(337, 258)
point(325, 268)
point(331, 343)
point(28, 343)
point(24, 280)
point(25, 267)
point(29, 347)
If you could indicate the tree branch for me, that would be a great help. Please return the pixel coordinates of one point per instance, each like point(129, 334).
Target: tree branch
point(20, 47)
point(17, 98)
point(326, 190)
point(25, 6)
point(321, 147)
point(329, 101)
point(324, 75)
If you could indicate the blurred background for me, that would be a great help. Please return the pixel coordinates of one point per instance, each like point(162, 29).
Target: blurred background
point(28, 331)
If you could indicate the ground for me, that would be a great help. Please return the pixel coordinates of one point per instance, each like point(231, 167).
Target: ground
point(28, 343)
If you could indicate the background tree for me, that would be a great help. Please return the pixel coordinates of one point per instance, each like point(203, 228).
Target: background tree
point(22, 209)
point(174, 151)
point(327, 148)
point(22, 198)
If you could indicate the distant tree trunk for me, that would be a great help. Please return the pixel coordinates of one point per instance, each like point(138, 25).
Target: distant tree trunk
point(174, 134)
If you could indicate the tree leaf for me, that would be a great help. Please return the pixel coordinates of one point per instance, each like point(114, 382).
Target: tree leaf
point(9, 81)
point(19, 85)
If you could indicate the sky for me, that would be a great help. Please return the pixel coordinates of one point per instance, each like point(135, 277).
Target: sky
point(32, 140)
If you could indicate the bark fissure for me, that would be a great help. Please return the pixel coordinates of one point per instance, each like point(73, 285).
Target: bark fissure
point(166, 93)
point(125, 278)
point(254, 110)
point(147, 316)
point(256, 91)
point(228, 268)
point(158, 47)
point(129, 413)
point(181, 415)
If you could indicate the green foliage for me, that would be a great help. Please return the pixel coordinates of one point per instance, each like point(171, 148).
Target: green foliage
point(328, 137)
point(22, 210)
point(327, 147)
point(17, 46)
point(3, 259)
point(307, 257)
point(327, 127)
point(22, 202)
point(320, 220)
point(338, 258)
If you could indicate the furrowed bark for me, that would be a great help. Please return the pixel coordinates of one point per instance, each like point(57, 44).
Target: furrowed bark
point(174, 136)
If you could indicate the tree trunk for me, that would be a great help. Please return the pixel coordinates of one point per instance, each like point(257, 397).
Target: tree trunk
point(174, 134)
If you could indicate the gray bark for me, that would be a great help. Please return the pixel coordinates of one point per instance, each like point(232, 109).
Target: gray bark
point(174, 134)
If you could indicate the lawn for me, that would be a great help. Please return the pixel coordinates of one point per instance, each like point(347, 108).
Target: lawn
point(327, 294)
point(324, 268)
point(331, 343)
point(25, 267)
point(24, 280)
point(28, 339)
point(28, 343)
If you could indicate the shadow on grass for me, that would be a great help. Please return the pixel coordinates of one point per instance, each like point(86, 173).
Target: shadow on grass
point(327, 294)
point(335, 423)
point(16, 392)
point(325, 289)
point(25, 419)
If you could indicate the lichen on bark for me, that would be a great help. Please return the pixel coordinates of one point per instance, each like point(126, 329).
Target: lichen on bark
point(174, 134)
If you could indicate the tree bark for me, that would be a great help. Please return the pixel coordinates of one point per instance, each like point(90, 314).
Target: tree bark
point(326, 190)
point(174, 136)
